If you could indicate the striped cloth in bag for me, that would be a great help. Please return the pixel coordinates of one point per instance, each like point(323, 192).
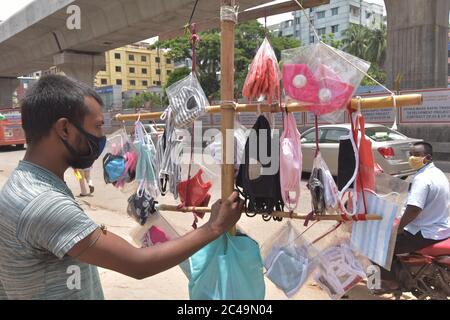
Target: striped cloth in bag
point(187, 100)
point(376, 239)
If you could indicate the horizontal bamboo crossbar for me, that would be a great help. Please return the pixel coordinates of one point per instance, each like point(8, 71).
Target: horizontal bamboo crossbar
point(280, 214)
point(407, 100)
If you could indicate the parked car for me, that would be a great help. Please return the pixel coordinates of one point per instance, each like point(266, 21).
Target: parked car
point(390, 148)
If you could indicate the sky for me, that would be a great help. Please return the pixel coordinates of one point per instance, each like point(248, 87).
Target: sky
point(8, 8)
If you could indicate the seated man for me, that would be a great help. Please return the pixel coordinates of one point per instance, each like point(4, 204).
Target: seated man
point(425, 220)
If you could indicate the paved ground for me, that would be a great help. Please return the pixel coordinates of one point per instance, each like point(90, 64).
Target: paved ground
point(108, 206)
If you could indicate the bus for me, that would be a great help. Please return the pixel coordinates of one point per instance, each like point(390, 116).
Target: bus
point(11, 132)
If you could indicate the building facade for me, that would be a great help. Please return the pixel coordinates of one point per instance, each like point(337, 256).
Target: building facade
point(135, 67)
point(334, 18)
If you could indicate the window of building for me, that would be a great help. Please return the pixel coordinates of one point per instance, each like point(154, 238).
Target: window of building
point(168, 61)
point(320, 14)
point(118, 69)
point(158, 83)
point(132, 82)
point(158, 71)
point(144, 70)
point(143, 59)
point(354, 11)
point(297, 20)
point(145, 83)
point(335, 28)
point(321, 31)
point(334, 11)
point(131, 57)
point(117, 56)
point(132, 70)
point(157, 59)
point(104, 81)
point(368, 14)
point(311, 39)
point(169, 72)
point(119, 82)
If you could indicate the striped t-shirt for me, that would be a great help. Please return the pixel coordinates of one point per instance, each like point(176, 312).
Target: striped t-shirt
point(40, 221)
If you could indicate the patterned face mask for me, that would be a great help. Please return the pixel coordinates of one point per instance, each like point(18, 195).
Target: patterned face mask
point(141, 206)
point(187, 100)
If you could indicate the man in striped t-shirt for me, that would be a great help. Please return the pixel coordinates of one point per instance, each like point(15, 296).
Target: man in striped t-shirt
point(45, 236)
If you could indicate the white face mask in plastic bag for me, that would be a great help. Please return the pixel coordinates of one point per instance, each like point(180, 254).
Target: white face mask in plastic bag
point(338, 271)
point(240, 137)
point(187, 100)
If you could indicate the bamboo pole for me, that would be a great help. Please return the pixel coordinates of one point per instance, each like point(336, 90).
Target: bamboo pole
point(407, 100)
point(227, 96)
point(281, 214)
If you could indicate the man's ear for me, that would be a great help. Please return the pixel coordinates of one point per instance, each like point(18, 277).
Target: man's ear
point(62, 128)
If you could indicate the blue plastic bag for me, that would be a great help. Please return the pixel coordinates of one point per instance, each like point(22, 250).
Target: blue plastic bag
point(229, 268)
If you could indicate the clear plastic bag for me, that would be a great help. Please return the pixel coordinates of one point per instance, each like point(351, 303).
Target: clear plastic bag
point(289, 259)
point(187, 100)
point(145, 173)
point(324, 192)
point(263, 78)
point(338, 270)
point(157, 230)
point(120, 160)
point(322, 78)
point(240, 137)
point(167, 163)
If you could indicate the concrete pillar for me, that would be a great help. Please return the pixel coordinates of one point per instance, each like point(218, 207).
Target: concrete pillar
point(417, 43)
point(80, 66)
point(7, 87)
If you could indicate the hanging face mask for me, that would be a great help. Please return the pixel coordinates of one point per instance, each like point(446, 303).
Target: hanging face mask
point(154, 236)
point(113, 167)
point(145, 174)
point(194, 192)
point(339, 271)
point(416, 162)
point(317, 190)
point(290, 162)
point(140, 206)
point(187, 100)
point(299, 83)
point(288, 272)
point(96, 146)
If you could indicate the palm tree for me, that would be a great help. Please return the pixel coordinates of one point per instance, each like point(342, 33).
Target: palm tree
point(356, 40)
point(376, 46)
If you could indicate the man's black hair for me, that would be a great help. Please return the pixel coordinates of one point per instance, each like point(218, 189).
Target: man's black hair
point(428, 148)
point(51, 98)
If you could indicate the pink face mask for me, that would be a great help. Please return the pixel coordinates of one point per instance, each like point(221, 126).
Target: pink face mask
point(333, 93)
point(153, 236)
point(290, 162)
point(299, 83)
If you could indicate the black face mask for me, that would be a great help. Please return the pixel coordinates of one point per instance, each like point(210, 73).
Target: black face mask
point(96, 146)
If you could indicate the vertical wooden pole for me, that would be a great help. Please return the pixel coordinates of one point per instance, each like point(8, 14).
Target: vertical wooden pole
point(227, 96)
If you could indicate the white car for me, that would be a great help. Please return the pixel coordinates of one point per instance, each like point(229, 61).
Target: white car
point(390, 148)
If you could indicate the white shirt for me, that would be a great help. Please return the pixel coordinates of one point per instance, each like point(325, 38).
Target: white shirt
point(430, 191)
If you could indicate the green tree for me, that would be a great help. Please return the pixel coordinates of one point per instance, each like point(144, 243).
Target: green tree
point(331, 41)
point(145, 100)
point(176, 75)
point(370, 45)
point(356, 40)
point(376, 45)
point(249, 36)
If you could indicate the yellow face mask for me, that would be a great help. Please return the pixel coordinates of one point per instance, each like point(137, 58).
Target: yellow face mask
point(416, 162)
